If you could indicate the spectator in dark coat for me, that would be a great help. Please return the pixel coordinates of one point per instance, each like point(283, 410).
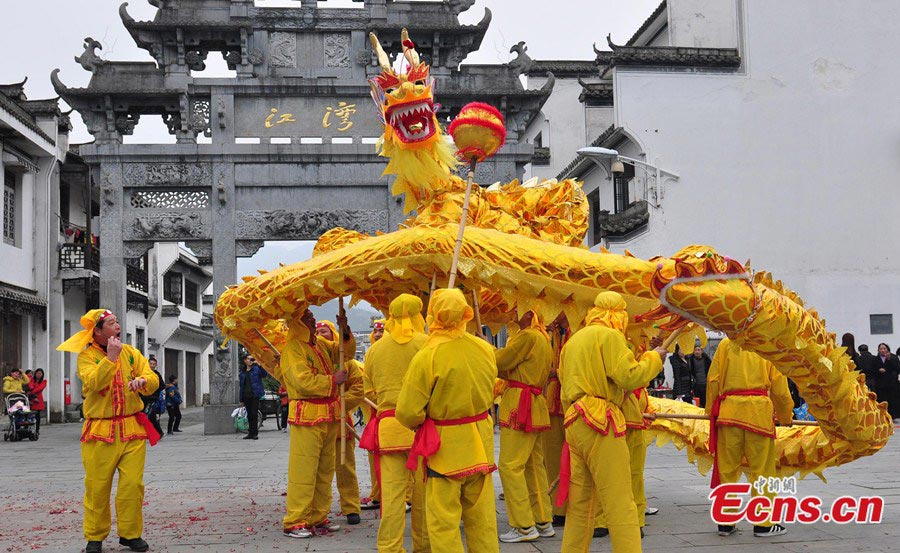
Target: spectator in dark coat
point(682, 386)
point(849, 341)
point(251, 391)
point(886, 373)
point(699, 364)
point(866, 365)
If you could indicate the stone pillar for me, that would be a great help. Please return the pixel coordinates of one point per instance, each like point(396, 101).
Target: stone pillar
point(112, 245)
point(223, 376)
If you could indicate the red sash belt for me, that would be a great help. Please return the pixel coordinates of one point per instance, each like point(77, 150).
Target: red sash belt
point(369, 439)
point(152, 435)
point(565, 475)
point(427, 441)
point(714, 431)
point(316, 401)
point(523, 417)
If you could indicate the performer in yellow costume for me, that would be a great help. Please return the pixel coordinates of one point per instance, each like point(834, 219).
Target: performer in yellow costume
point(597, 369)
point(555, 437)
point(373, 501)
point(389, 441)
point(743, 393)
point(446, 395)
point(307, 371)
point(113, 375)
point(345, 469)
point(525, 364)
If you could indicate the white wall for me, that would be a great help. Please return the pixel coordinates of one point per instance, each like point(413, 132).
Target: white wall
point(703, 23)
point(564, 118)
point(793, 164)
point(18, 261)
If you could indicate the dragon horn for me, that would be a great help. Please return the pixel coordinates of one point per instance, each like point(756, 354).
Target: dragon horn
point(409, 48)
point(383, 60)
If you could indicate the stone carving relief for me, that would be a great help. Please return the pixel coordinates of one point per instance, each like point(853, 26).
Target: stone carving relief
point(221, 190)
point(337, 50)
point(161, 226)
point(136, 249)
point(459, 6)
point(155, 174)
point(173, 122)
point(89, 58)
point(126, 123)
point(200, 117)
point(202, 249)
point(364, 57)
point(220, 112)
point(247, 248)
point(195, 59)
point(283, 49)
point(255, 56)
point(232, 58)
point(522, 62)
point(306, 225)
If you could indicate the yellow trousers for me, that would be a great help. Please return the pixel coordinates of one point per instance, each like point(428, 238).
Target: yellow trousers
point(734, 445)
point(470, 500)
point(398, 481)
point(101, 461)
point(600, 478)
point(310, 470)
point(524, 478)
point(637, 454)
point(345, 473)
point(553, 443)
point(375, 492)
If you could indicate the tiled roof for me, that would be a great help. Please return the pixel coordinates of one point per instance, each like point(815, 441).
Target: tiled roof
point(646, 24)
point(564, 68)
point(675, 56)
point(596, 93)
point(610, 134)
point(14, 109)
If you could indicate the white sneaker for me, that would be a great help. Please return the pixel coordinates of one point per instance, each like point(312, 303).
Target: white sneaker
point(327, 526)
point(545, 529)
point(518, 535)
point(298, 532)
point(650, 511)
point(765, 532)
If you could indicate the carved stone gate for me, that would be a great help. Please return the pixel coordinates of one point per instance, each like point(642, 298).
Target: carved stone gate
point(292, 135)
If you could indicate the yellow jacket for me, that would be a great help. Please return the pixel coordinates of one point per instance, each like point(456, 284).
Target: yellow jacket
point(527, 358)
point(386, 364)
point(15, 385)
point(306, 372)
point(636, 404)
point(597, 368)
point(735, 369)
point(108, 403)
point(452, 380)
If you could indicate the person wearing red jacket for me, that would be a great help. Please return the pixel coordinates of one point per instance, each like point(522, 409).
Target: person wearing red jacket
point(36, 397)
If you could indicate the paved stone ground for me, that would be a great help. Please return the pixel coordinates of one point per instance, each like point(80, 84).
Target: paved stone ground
point(220, 493)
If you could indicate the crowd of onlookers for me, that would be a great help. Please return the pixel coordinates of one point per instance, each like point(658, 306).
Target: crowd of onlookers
point(31, 384)
point(881, 369)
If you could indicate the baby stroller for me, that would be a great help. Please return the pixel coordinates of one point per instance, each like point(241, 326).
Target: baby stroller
point(21, 419)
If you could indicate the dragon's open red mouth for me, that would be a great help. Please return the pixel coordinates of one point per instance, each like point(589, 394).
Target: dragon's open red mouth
point(412, 122)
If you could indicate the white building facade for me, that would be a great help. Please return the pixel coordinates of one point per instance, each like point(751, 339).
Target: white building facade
point(778, 125)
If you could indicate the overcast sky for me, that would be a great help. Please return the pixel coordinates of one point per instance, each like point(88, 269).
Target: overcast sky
point(37, 36)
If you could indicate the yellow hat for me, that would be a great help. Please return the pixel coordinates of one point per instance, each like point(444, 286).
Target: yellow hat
point(610, 310)
point(80, 340)
point(448, 313)
point(405, 318)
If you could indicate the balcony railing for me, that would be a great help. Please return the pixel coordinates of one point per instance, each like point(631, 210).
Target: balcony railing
point(79, 256)
point(137, 278)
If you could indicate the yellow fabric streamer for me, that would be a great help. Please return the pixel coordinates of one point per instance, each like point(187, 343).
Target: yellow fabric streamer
point(448, 313)
point(80, 340)
point(405, 318)
point(609, 310)
point(538, 324)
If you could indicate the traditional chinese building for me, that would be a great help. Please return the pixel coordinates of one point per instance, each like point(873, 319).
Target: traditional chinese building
point(762, 129)
point(292, 134)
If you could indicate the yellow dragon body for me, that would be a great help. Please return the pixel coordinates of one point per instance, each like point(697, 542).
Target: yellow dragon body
point(522, 250)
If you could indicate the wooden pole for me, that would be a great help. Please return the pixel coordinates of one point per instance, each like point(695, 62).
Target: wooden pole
point(370, 403)
point(266, 340)
point(342, 314)
point(553, 486)
point(672, 337)
point(676, 416)
point(462, 224)
point(477, 310)
point(355, 435)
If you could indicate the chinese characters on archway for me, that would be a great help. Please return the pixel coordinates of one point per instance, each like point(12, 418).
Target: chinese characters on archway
point(338, 116)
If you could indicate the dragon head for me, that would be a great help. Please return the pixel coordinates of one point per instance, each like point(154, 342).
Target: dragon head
point(405, 98)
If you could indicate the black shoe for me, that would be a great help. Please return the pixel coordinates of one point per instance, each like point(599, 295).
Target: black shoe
point(371, 505)
point(352, 518)
point(769, 531)
point(94, 547)
point(249, 437)
point(726, 530)
point(601, 532)
point(169, 433)
point(642, 533)
point(136, 544)
point(559, 520)
point(176, 430)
